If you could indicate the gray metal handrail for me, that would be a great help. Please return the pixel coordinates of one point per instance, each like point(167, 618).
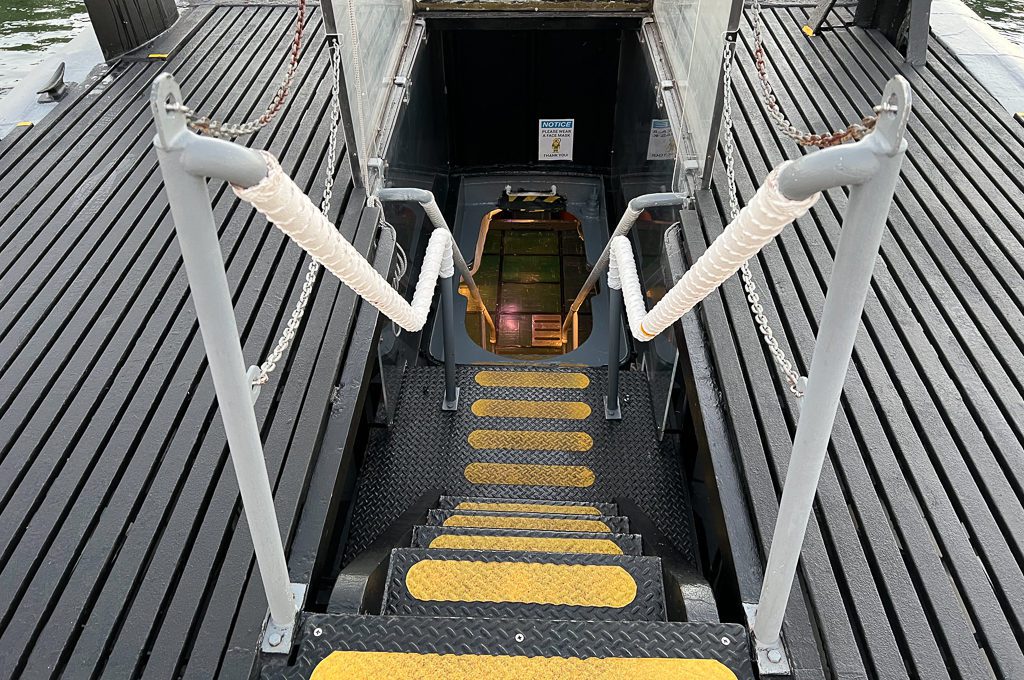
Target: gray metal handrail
point(629, 218)
point(426, 199)
point(871, 169)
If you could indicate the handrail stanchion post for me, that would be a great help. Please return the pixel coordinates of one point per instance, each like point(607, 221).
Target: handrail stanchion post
point(200, 249)
point(612, 406)
point(862, 230)
point(451, 390)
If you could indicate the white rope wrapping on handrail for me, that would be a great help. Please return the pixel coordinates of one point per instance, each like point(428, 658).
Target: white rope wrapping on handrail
point(761, 220)
point(285, 205)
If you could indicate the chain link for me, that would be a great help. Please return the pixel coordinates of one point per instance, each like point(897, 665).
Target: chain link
point(224, 130)
point(292, 327)
point(756, 308)
point(853, 132)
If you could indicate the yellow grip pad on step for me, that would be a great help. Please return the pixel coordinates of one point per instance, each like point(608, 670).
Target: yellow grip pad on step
point(543, 379)
point(522, 474)
point(576, 585)
point(409, 666)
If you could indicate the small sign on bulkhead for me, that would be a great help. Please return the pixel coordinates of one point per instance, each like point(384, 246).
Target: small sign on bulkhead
point(554, 141)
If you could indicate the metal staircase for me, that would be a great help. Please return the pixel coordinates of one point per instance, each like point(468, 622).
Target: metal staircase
point(524, 569)
point(519, 588)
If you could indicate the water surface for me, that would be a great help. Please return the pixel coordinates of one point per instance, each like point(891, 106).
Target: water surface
point(29, 28)
point(1006, 16)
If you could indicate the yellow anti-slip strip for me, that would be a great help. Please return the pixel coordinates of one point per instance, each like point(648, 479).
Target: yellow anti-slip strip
point(536, 523)
point(530, 507)
point(530, 440)
point(408, 666)
point(582, 546)
point(548, 410)
point(576, 585)
point(529, 475)
point(570, 381)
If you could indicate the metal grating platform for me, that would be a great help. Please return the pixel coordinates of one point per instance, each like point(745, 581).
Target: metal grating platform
point(429, 449)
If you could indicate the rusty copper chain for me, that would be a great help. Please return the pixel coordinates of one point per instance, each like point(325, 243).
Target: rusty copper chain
point(853, 132)
point(225, 130)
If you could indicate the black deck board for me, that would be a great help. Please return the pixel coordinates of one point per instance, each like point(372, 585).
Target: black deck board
point(121, 536)
point(912, 564)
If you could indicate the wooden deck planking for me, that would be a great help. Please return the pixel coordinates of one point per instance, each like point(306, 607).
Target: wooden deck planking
point(130, 532)
point(918, 508)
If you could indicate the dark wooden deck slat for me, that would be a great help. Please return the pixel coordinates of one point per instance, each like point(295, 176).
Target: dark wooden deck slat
point(157, 390)
point(90, 201)
point(1009, 511)
point(1009, 578)
point(270, 331)
point(104, 292)
point(275, 324)
point(930, 465)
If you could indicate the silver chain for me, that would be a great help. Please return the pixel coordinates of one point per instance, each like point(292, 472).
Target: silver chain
point(268, 366)
point(756, 308)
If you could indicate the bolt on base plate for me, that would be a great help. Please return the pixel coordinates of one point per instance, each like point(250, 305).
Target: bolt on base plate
point(771, 660)
point(277, 639)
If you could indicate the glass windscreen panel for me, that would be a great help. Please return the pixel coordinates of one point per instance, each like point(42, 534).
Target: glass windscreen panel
point(371, 34)
point(693, 39)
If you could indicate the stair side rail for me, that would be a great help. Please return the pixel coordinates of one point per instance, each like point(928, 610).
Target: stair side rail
point(634, 209)
point(187, 160)
point(870, 168)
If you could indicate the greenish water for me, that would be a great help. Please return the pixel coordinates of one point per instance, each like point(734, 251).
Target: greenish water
point(29, 28)
point(1006, 16)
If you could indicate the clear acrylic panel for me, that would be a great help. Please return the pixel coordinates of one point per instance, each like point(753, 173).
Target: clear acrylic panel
point(371, 35)
point(694, 39)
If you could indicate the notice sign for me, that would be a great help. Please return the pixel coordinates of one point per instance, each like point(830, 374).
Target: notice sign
point(554, 142)
point(661, 146)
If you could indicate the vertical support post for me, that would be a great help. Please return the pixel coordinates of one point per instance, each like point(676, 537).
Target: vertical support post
point(200, 249)
point(451, 390)
point(917, 36)
point(612, 407)
point(863, 227)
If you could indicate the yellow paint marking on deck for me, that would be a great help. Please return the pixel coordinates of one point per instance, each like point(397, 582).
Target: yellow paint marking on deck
point(24, 123)
point(808, 31)
point(576, 585)
point(530, 440)
point(411, 666)
point(158, 56)
point(530, 507)
point(581, 546)
point(535, 523)
point(569, 381)
point(548, 410)
point(529, 475)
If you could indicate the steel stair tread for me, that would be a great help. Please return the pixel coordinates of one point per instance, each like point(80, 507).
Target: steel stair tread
point(629, 544)
point(533, 521)
point(324, 634)
point(453, 503)
point(438, 582)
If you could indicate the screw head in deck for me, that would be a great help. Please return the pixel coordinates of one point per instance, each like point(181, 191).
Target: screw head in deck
point(774, 655)
point(275, 638)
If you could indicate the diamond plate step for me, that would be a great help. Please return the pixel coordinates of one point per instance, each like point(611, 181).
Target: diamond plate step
point(531, 521)
point(455, 583)
point(510, 505)
point(726, 644)
point(539, 541)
